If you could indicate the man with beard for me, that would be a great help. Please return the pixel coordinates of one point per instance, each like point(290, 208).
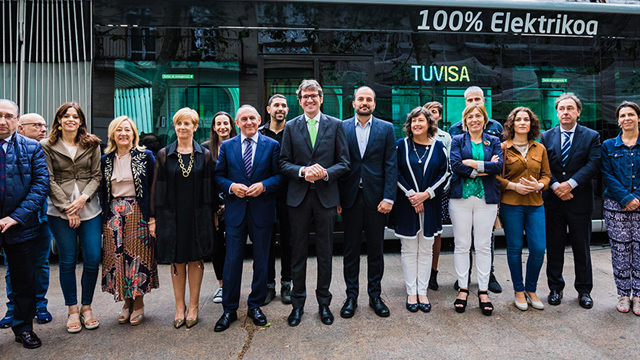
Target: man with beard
point(367, 194)
point(274, 128)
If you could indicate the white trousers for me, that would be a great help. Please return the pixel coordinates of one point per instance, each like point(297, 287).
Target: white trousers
point(467, 215)
point(417, 255)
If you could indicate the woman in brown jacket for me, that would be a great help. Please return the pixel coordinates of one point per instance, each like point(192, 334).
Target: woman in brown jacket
point(525, 174)
point(73, 159)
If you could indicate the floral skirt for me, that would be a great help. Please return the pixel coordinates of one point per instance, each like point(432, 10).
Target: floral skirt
point(129, 267)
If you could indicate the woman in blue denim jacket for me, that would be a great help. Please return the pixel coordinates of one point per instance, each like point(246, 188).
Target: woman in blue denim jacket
point(621, 176)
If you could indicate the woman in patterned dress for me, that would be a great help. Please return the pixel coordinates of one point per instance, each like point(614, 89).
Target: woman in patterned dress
point(621, 177)
point(129, 268)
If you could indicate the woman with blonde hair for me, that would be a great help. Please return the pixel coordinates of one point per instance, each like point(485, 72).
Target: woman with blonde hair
point(183, 204)
point(129, 268)
point(73, 159)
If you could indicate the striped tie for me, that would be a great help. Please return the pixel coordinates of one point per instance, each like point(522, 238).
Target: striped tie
point(246, 157)
point(3, 170)
point(566, 147)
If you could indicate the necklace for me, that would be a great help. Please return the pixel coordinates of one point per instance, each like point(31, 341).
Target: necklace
point(185, 172)
point(416, 151)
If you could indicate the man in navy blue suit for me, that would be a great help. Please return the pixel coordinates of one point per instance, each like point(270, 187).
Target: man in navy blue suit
point(574, 158)
point(248, 171)
point(367, 194)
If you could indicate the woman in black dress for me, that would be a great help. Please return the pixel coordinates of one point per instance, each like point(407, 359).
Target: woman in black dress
point(183, 205)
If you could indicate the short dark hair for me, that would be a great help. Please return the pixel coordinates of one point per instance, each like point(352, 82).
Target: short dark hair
point(569, 96)
point(534, 127)
point(276, 96)
point(629, 104)
point(432, 129)
point(309, 84)
point(433, 104)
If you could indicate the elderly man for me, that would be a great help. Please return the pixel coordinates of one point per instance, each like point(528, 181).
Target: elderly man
point(24, 185)
point(34, 127)
point(249, 173)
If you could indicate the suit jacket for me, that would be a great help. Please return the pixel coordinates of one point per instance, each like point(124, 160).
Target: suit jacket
point(331, 152)
point(230, 169)
point(378, 167)
point(582, 166)
point(460, 150)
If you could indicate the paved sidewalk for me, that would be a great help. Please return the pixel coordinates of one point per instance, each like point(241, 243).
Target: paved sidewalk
point(566, 331)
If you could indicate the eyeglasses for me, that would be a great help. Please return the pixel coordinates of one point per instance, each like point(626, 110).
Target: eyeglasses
point(36, 125)
point(7, 116)
point(310, 96)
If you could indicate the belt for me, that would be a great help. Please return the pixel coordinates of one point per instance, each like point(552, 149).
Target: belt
point(312, 186)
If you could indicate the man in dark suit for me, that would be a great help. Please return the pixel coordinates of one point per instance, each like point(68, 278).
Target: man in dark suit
point(248, 171)
point(24, 186)
point(274, 129)
point(574, 157)
point(314, 157)
point(367, 194)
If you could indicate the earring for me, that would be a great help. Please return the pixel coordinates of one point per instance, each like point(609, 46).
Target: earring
point(59, 127)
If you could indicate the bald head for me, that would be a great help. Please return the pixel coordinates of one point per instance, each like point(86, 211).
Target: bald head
point(33, 126)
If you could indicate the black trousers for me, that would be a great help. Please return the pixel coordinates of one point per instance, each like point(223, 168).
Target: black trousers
point(558, 218)
point(357, 219)
point(219, 251)
point(284, 227)
point(324, 220)
point(22, 275)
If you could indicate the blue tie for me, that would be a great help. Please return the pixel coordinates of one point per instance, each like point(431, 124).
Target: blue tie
point(246, 157)
point(566, 146)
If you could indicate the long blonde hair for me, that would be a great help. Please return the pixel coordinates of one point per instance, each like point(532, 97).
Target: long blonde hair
point(114, 125)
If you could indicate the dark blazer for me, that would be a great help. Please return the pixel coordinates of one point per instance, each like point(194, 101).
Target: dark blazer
point(265, 169)
point(378, 168)
point(26, 188)
point(582, 165)
point(460, 150)
point(142, 167)
point(163, 202)
point(331, 152)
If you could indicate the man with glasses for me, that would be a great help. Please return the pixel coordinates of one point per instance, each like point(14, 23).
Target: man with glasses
point(24, 185)
point(34, 127)
point(314, 157)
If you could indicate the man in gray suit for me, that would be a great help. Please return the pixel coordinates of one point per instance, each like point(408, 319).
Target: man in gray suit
point(314, 157)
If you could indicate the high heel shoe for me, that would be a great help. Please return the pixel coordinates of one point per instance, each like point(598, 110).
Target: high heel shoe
point(89, 321)
point(178, 323)
point(125, 314)
point(486, 307)
point(137, 316)
point(538, 305)
point(192, 322)
point(412, 307)
point(523, 306)
point(461, 302)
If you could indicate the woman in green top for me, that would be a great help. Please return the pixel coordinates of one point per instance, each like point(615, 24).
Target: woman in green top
point(476, 159)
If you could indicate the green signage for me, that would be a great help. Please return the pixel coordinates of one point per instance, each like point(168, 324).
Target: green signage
point(176, 76)
point(554, 80)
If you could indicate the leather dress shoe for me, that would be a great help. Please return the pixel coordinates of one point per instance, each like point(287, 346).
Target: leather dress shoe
point(325, 315)
point(379, 306)
point(259, 318)
point(29, 340)
point(585, 300)
point(225, 320)
point(271, 294)
point(295, 317)
point(349, 308)
point(555, 297)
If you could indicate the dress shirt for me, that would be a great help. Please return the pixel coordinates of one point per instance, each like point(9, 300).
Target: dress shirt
point(571, 182)
point(362, 136)
point(5, 145)
point(306, 119)
point(254, 145)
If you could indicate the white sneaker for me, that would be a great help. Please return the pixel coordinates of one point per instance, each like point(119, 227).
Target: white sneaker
point(217, 297)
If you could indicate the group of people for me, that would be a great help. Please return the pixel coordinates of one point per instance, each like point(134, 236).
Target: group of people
point(131, 208)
